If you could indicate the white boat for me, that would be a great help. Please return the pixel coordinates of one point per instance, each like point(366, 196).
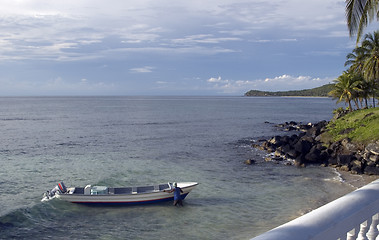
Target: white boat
point(117, 195)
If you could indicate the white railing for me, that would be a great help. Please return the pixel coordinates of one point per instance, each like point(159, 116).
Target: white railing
point(353, 216)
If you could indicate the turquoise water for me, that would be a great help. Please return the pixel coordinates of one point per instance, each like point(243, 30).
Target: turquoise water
point(123, 141)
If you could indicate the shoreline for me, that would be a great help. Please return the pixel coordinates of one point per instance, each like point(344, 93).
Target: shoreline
point(355, 180)
point(353, 166)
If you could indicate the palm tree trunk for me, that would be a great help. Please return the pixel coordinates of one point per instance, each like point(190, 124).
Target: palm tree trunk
point(350, 108)
point(356, 103)
point(373, 100)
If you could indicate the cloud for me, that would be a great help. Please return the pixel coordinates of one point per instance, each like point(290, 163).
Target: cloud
point(203, 38)
point(216, 80)
point(145, 69)
point(274, 40)
point(53, 30)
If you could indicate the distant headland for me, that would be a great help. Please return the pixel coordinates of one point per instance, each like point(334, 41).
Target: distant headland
point(314, 92)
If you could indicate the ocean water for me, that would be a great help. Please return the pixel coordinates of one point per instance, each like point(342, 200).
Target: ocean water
point(123, 141)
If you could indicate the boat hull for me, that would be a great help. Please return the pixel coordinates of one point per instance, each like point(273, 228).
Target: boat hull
point(127, 199)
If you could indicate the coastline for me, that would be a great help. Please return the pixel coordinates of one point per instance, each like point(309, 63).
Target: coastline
point(354, 166)
point(356, 180)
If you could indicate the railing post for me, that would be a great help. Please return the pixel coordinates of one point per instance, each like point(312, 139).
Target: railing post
point(363, 231)
point(352, 235)
point(353, 216)
point(373, 231)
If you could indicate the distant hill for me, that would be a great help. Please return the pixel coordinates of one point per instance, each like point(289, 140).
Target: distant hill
point(314, 92)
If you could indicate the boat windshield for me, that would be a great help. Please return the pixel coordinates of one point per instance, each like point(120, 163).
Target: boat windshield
point(99, 190)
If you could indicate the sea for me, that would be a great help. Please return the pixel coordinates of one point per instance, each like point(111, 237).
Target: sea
point(139, 140)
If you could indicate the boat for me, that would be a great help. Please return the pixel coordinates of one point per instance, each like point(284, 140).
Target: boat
point(103, 195)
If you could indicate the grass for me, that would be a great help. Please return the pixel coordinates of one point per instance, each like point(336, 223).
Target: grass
point(361, 126)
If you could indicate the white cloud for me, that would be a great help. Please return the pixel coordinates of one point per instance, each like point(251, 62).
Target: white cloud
point(43, 29)
point(217, 80)
point(145, 69)
point(203, 38)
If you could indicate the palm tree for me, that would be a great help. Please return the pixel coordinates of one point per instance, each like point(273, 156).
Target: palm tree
point(359, 13)
point(345, 88)
point(366, 91)
point(371, 66)
point(356, 59)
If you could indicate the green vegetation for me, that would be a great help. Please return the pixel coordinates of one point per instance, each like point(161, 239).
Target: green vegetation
point(314, 92)
point(361, 126)
point(359, 13)
point(361, 81)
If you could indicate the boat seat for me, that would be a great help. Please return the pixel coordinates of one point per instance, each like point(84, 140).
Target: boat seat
point(79, 190)
point(163, 186)
point(126, 190)
point(145, 189)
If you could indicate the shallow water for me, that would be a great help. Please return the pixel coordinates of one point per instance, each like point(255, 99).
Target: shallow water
point(122, 141)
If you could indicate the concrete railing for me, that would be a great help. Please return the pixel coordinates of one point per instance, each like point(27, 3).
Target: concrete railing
point(353, 216)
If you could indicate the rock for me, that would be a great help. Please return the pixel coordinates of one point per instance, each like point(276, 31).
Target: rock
point(249, 161)
point(275, 141)
point(373, 148)
point(371, 170)
point(292, 154)
point(270, 149)
point(293, 139)
point(324, 156)
point(344, 159)
point(257, 146)
point(344, 168)
point(299, 161)
point(313, 132)
point(333, 161)
point(303, 146)
point(306, 148)
point(374, 158)
point(278, 153)
point(314, 155)
point(277, 158)
point(356, 167)
point(285, 139)
point(285, 148)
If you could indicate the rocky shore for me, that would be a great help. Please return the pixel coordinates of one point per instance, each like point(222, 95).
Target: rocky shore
point(306, 148)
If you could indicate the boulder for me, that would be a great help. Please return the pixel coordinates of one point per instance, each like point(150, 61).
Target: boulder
point(300, 160)
point(373, 148)
point(314, 155)
point(303, 146)
point(278, 153)
point(275, 140)
point(374, 158)
point(285, 148)
point(292, 154)
point(344, 159)
point(357, 167)
point(348, 146)
point(372, 170)
point(249, 161)
point(344, 168)
point(332, 161)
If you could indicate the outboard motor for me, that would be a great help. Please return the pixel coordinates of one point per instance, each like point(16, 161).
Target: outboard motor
point(62, 187)
point(59, 188)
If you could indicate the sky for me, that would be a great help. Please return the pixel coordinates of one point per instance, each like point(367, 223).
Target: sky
point(169, 47)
